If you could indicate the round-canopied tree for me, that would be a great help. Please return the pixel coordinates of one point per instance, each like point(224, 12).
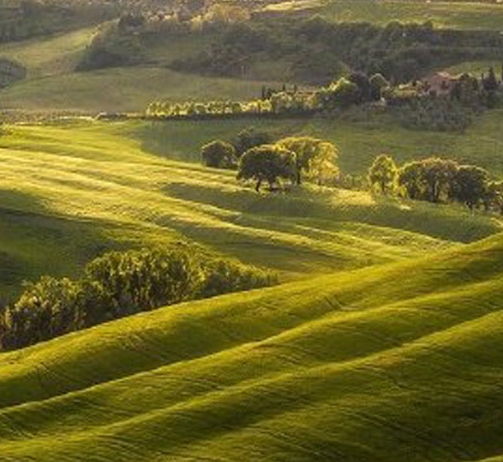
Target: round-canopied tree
point(383, 174)
point(311, 153)
point(218, 154)
point(470, 185)
point(268, 163)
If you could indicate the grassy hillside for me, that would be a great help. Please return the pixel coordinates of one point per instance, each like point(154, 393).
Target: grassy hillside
point(353, 367)
point(359, 137)
point(53, 55)
point(447, 14)
point(68, 193)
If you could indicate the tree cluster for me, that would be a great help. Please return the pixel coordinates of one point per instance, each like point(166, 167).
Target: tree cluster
point(437, 180)
point(119, 284)
point(262, 161)
point(319, 49)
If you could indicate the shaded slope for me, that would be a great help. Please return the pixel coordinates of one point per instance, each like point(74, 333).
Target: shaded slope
point(400, 362)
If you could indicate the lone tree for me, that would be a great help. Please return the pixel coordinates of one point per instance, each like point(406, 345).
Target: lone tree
point(309, 154)
point(383, 174)
point(218, 154)
point(267, 163)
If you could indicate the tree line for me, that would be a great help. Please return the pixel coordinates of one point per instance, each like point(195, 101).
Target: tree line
point(120, 284)
point(413, 105)
point(258, 157)
point(437, 180)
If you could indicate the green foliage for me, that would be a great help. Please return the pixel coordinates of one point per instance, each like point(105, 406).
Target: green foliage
point(343, 93)
point(268, 163)
point(222, 276)
point(10, 72)
point(435, 113)
point(470, 185)
point(400, 52)
point(116, 285)
point(378, 84)
point(436, 180)
point(45, 310)
point(218, 154)
point(250, 138)
point(112, 47)
point(312, 156)
point(383, 174)
point(431, 179)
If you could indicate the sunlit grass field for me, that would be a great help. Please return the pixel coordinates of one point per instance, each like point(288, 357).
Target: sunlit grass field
point(71, 192)
point(389, 363)
point(447, 14)
point(360, 138)
point(382, 342)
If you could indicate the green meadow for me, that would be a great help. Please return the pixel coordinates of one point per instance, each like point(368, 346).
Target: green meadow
point(359, 137)
point(70, 192)
point(387, 322)
point(447, 14)
point(381, 342)
point(396, 362)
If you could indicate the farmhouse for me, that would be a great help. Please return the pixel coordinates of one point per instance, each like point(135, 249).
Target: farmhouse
point(439, 83)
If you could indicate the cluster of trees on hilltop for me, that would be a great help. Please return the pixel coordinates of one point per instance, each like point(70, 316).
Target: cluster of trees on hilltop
point(437, 180)
point(413, 105)
point(124, 41)
point(120, 284)
point(258, 158)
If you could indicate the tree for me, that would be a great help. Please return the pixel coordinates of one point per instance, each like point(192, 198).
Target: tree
point(439, 177)
point(344, 93)
point(267, 163)
point(306, 149)
point(46, 309)
point(363, 84)
point(143, 280)
point(383, 174)
point(470, 185)
point(323, 166)
point(490, 82)
point(249, 138)
point(377, 84)
point(430, 179)
point(218, 154)
point(493, 196)
point(410, 178)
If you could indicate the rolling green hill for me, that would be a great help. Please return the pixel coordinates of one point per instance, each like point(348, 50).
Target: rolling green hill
point(448, 14)
point(70, 192)
point(390, 363)
point(359, 136)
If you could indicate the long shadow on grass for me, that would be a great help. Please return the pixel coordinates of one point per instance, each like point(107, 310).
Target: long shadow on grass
point(437, 221)
point(34, 241)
